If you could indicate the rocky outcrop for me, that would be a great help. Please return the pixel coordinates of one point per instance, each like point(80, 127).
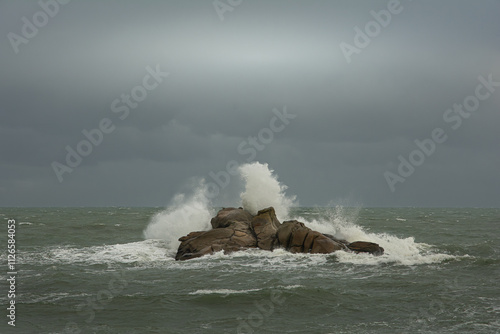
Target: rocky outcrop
point(366, 247)
point(231, 232)
point(230, 216)
point(236, 229)
point(297, 238)
point(265, 225)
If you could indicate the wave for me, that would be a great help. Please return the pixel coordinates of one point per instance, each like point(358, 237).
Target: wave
point(193, 212)
point(227, 292)
point(155, 254)
point(262, 190)
point(341, 223)
point(148, 252)
point(187, 213)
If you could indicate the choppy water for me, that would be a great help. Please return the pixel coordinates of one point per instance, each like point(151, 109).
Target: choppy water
point(90, 270)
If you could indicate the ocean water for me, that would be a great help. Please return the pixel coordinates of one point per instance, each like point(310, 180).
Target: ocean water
point(111, 270)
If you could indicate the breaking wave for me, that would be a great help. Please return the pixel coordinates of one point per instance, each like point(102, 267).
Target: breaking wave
point(187, 213)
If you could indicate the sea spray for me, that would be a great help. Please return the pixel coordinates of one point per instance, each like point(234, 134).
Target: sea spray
point(262, 190)
point(341, 222)
point(188, 213)
point(338, 220)
point(185, 214)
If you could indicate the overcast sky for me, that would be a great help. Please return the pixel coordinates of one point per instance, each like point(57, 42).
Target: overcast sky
point(355, 112)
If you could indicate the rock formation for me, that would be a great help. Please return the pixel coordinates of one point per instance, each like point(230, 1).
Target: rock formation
point(236, 229)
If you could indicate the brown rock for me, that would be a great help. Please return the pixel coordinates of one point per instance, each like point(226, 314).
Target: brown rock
point(325, 245)
point(298, 238)
point(236, 229)
point(284, 233)
point(191, 235)
point(366, 247)
point(228, 239)
point(308, 242)
point(244, 240)
point(342, 241)
point(229, 216)
point(265, 225)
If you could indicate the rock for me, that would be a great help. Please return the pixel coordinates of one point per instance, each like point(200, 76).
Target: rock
point(191, 235)
point(285, 232)
point(228, 216)
point(325, 245)
point(297, 238)
point(231, 232)
point(235, 229)
point(342, 241)
point(265, 225)
point(208, 242)
point(366, 247)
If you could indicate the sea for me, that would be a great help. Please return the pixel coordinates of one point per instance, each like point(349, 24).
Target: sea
point(112, 270)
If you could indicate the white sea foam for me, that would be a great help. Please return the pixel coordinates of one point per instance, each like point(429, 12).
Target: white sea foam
point(49, 297)
point(187, 213)
point(340, 223)
point(148, 253)
point(225, 292)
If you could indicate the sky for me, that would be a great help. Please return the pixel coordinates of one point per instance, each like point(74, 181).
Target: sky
point(371, 103)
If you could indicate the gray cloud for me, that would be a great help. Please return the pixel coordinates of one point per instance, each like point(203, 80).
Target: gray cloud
point(353, 120)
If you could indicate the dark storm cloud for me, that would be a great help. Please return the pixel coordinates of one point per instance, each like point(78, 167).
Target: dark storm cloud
point(352, 121)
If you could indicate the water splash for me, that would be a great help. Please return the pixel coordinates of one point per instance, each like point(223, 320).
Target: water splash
point(185, 214)
point(340, 222)
point(262, 190)
point(188, 213)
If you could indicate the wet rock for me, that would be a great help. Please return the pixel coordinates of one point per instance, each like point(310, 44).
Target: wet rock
point(295, 237)
point(265, 225)
point(235, 229)
point(366, 247)
point(231, 232)
point(342, 241)
point(228, 216)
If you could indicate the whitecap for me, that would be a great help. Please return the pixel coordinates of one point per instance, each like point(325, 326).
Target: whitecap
point(148, 252)
point(225, 292)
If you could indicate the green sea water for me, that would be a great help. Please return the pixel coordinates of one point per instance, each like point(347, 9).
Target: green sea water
point(91, 270)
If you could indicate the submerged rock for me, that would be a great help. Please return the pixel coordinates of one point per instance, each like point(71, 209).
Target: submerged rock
point(236, 229)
